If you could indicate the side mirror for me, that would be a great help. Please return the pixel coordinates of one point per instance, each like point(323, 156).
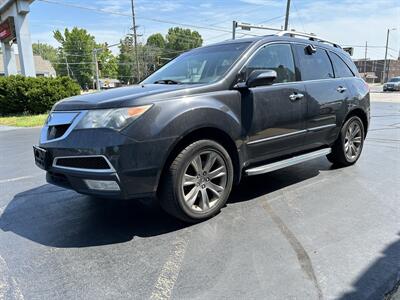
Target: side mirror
point(261, 77)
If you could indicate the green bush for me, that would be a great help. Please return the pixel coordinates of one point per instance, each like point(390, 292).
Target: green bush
point(19, 94)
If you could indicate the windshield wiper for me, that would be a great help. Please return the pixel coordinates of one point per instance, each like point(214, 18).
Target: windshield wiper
point(167, 81)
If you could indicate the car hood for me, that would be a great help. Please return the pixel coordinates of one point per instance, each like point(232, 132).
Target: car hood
point(125, 96)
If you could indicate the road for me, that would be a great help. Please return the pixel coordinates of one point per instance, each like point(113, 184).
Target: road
point(307, 232)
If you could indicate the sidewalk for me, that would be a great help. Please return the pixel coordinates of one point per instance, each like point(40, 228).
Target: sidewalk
point(392, 97)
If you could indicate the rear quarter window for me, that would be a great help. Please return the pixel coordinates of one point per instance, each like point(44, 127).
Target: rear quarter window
point(314, 66)
point(347, 59)
point(342, 70)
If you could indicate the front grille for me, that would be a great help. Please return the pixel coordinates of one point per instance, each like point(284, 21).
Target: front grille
point(84, 162)
point(57, 131)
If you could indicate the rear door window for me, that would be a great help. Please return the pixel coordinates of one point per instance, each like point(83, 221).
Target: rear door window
point(340, 67)
point(277, 57)
point(314, 66)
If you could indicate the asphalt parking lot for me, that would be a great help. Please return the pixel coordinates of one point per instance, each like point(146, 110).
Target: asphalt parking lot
point(306, 232)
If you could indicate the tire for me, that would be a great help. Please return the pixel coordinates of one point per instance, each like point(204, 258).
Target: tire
point(348, 147)
point(198, 182)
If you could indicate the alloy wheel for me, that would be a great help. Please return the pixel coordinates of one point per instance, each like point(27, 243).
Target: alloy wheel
point(353, 141)
point(204, 181)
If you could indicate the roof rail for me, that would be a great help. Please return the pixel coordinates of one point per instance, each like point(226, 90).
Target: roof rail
point(310, 36)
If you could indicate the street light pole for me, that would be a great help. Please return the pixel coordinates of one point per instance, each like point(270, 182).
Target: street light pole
point(287, 14)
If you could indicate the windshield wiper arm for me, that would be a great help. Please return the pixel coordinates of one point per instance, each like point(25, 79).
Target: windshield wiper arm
point(167, 81)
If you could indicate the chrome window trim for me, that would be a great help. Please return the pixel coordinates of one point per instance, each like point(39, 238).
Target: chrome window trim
point(109, 170)
point(45, 129)
point(294, 58)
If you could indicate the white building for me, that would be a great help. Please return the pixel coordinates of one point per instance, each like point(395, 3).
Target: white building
point(42, 67)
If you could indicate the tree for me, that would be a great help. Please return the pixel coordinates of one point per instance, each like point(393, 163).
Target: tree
point(156, 40)
point(160, 50)
point(125, 58)
point(108, 63)
point(156, 52)
point(155, 48)
point(182, 39)
point(46, 51)
point(77, 50)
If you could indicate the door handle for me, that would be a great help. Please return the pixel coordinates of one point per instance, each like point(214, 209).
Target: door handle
point(341, 89)
point(296, 96)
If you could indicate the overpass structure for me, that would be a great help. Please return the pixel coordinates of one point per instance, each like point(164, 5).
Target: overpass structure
point(14, 28)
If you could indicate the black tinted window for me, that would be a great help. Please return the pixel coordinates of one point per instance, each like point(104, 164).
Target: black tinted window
point(341, 69)
point(314, 66)
point(274, 57)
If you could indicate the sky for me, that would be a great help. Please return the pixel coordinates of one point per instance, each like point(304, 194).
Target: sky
point(347, 22)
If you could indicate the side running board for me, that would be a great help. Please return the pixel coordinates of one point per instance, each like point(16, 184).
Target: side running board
point(287, 162)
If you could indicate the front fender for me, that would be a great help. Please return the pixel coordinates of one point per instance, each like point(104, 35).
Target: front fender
point(178, 117)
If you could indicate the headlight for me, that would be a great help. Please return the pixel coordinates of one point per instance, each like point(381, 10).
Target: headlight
point(111, 118)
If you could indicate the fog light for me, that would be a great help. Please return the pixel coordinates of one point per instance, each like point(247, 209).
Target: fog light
point(102, 185)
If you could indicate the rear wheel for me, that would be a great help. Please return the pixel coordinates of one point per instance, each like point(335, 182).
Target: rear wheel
point(198, 182)
point(348, 147)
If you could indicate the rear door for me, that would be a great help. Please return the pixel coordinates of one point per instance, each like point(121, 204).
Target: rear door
point(326, 96)
point(277, 110)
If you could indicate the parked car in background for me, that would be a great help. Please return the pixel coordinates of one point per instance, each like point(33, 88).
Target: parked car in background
point(195, 127)
point(392, 85)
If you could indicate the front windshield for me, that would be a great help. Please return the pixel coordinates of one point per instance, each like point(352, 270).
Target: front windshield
point(202, 65)
point(394, 80)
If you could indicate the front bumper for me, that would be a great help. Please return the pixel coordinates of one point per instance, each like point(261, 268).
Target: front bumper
point(133, 166)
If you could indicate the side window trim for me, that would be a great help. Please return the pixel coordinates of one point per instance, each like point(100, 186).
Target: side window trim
point(298, 66)
point(290, 44)
point(296, 63)
point(330, 54)
point(332, 64)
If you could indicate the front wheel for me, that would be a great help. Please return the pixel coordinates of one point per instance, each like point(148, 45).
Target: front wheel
point(348, 147)
point(198, 182)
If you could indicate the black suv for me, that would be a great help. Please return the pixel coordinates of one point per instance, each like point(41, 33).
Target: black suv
point(192, 129)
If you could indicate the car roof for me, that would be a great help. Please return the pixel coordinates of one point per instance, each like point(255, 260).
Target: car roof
point(273, 37)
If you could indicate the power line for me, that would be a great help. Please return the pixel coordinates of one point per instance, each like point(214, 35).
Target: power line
point(300, 17)
point(99, 10)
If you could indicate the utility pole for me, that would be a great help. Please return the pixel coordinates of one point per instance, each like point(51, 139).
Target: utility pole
point(135, 40)
point(96, 64)
point(384, 64)
point(287, 14)
point(365, 59)
point(66, 62)
point(385, 72)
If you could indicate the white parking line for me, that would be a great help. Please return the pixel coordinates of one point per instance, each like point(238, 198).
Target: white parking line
point(9, 288)
point(15, 179)
point(170, 271)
